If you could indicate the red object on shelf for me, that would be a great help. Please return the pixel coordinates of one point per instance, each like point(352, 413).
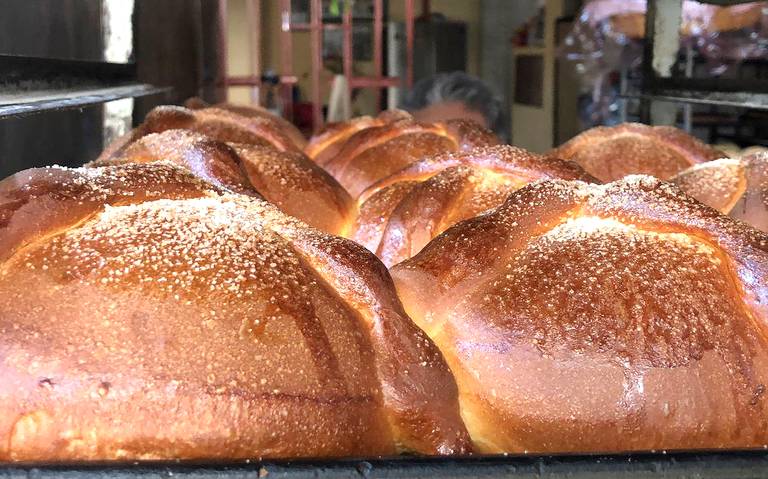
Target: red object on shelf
point(302, 115)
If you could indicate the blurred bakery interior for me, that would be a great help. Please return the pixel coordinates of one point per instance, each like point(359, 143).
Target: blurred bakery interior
point(556, 67)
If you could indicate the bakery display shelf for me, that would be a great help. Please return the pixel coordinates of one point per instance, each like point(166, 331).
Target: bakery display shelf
point(661, 82)
point(701, 465)
point(48, 100)
point(725, 3)
point(30, 85)
point(758, 101)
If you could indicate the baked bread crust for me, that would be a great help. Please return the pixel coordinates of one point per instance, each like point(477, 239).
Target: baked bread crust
point(216, 123)
point(323, 146)
point(211, 160)
point(253, 111)
point(298, 186)
point(736, 187)
point(622, 317)
point(612, 152)
point(146, 314)
point(375, 153)
point(287, 179)
point(401, 213)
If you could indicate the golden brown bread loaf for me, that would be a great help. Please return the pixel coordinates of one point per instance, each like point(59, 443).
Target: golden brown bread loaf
point(613, 152)
point(299, 187)
point(751, 150)
point(736, 187)
point(403, 212)
point(326, 144)
point(470, 135)
point(287, 179)
point(253, 111)
point(221, 125)
point(211, 160)
point(583, 318)
point(323, 146)
point(376, 152)
point(146, 315)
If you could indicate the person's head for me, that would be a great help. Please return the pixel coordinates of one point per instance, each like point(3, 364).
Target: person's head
point(448, 96)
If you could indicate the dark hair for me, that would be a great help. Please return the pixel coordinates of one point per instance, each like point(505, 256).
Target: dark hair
point(462, 87)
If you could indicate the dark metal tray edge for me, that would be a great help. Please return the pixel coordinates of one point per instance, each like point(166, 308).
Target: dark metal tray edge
point(700, 464)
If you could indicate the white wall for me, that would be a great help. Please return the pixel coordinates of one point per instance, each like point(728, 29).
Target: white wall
point(499, 19)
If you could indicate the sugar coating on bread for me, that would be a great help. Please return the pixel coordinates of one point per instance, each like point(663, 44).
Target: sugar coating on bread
point(326, 144)
point(717, 183)
point(582, 317)
point(207, 158)
point(298, 187)
point(376, 152)
point(401, 213)
point(219, 124)
point(255, 111)
point(737, 187)
point(182, 321)
point(613, 152)
point(287, 179)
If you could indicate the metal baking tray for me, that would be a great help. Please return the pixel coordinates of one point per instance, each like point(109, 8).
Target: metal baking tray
point(31, 85)
point(700, 465)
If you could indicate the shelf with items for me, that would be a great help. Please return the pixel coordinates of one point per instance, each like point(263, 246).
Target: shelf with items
point(726, 3)
point(664, 86)
point(32, 85)
point(751, 100)
point(57, 100)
